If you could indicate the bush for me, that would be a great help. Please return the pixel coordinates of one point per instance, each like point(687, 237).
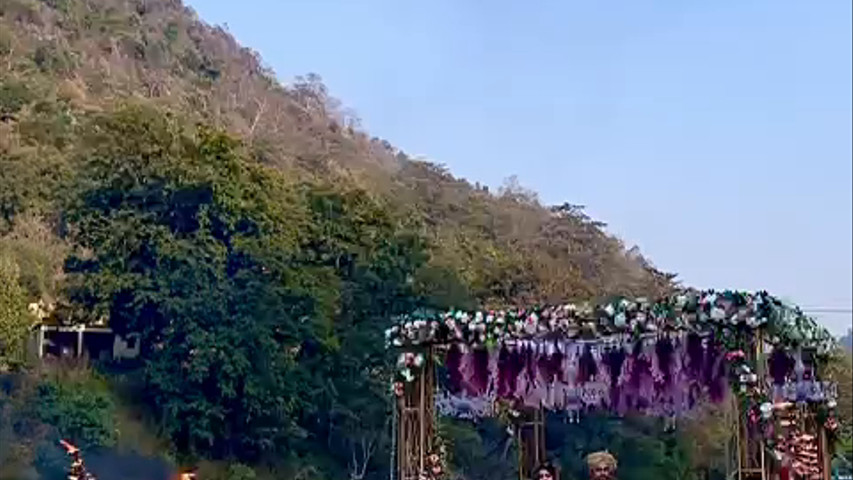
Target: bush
point(51, 58)
point(38, 252)
point(238, 471)
point(14, 95)
point(80, 408)
point(14, 319)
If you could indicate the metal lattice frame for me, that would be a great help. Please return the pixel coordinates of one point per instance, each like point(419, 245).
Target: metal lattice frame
point(732, 441)
point(811, 425)
point(747, 459)
point(825, 454)
point(530, 438)
point(751, 452)
point(747, 456)
point(416, 428)
point(745, 452)
point(416, 423)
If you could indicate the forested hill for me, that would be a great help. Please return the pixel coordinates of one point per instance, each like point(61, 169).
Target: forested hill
point(64, 59)
point(154, 173)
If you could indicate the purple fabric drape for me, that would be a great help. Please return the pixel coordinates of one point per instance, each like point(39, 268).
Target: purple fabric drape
point(664, 376)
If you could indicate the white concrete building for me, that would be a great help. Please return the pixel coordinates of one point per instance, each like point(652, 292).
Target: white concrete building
point(94, 342)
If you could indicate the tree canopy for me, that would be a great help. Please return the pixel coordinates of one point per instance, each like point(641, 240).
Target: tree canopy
point(257, 297)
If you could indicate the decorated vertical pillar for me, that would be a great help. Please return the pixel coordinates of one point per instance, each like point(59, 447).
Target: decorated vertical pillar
point(752, 461)
point(416, 422)
point(825, 455)
point(531, 442)
point(825, 449)
point(80, 330)
point(751, 455)
point(40, 341)
point(732, 440)
point(812, 450)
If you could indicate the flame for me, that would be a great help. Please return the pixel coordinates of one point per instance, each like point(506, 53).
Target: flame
point(77, 470)
point(69, 447)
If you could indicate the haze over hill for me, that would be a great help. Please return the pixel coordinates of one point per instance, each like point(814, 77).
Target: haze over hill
point(847, 340)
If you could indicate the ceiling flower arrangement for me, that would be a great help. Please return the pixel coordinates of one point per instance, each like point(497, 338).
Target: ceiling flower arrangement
point(688, 310)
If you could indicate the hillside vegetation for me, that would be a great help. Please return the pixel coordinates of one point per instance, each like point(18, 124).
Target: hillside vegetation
point(155, 173)
point(65, 59)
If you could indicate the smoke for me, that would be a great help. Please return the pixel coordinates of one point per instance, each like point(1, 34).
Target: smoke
point(52, 463)
point(108, 465)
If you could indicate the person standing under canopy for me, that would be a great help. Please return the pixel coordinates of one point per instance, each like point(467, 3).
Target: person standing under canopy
point(546, 471)
point(602, 466)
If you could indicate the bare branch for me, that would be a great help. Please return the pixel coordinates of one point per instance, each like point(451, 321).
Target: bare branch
point(261, 107)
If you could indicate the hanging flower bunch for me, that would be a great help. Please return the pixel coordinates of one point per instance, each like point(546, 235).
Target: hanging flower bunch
point(752, 397)
point(435, 467)
point(769, 418)
point(826, 417)
point(398, 388)
point(409, 365)
point(691, 310)
point(507, 413)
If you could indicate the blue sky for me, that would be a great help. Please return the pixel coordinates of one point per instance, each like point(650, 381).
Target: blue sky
point(716, 136)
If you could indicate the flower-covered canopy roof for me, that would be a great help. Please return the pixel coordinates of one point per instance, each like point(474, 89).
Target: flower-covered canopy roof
point(659, 358)
point(688, 310)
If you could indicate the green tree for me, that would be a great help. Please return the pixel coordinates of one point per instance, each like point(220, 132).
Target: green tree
point(840, 370)
point(481, 451)
point(193, 249)
point(642, 448)
point(14, 318)
point(39, 253)
point(81, 409)
point(362, 261)
point(238, 471)
point(14, 95)
point(261, 302)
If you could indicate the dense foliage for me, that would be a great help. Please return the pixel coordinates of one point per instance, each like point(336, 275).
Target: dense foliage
point(14, 321)
point(62, 60)
point(80, 407)
point(250, 290)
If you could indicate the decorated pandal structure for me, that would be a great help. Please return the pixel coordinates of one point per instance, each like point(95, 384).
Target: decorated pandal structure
point(660, 358)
